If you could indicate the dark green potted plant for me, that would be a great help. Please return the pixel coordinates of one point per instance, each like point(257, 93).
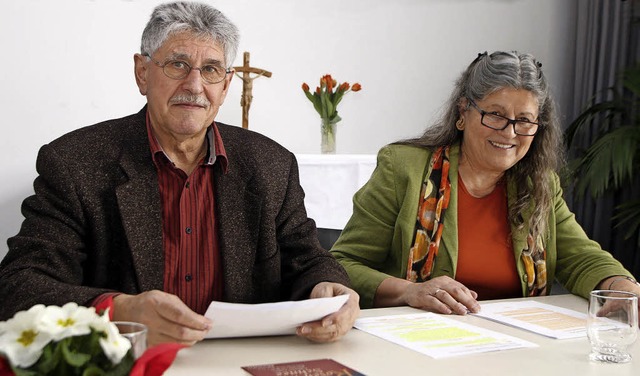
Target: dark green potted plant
point(612, 161)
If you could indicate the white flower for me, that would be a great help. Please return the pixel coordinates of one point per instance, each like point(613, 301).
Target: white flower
point(114, 345)
point(69, 320)
point(21, 338)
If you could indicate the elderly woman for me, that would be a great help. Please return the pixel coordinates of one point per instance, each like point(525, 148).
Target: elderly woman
point(473, 209)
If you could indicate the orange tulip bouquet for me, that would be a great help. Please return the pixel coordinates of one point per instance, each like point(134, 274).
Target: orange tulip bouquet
point(325, 100)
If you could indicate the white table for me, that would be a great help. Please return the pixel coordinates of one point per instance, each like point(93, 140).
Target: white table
point(374, 356)
point(329, 182)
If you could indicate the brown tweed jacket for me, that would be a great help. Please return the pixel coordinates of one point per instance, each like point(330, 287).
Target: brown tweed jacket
point(94, 223)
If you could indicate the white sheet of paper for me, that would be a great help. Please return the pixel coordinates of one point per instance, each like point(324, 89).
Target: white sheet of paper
point(268, 319)
point(545, 319)
point(438, 336)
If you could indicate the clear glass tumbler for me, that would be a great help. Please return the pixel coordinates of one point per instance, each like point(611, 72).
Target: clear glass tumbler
point(136, 333)
point(612, 325)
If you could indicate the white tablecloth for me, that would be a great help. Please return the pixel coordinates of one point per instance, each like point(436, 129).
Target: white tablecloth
point(329, 182)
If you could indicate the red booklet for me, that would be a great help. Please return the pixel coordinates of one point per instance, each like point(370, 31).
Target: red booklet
point(316, 367)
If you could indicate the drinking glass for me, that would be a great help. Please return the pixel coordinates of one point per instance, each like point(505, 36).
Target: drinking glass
point(136, 333)
point(612, 325)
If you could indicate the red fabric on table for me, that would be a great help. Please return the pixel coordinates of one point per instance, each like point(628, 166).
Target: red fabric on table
point(5, 368)
point(156, 359)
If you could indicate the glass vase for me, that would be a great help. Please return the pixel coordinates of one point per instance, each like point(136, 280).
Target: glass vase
point(328, 136)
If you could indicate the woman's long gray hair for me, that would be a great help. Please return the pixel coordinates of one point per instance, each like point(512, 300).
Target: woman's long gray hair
point(200, 19)
point(532, 174)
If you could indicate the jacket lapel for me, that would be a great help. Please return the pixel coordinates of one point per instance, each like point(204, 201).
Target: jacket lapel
point(139, 204)
point(238, 213)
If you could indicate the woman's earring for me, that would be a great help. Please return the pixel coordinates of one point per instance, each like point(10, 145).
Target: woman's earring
point(460, 124)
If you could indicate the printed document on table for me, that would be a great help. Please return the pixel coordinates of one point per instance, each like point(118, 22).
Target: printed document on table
point(268, 319)
point(546, 319)
point(438, 336)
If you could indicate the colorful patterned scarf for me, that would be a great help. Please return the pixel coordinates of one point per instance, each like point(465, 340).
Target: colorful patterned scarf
point(534, 258)
point(430, 224)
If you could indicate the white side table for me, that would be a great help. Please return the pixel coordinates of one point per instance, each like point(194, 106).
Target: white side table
point(329, 182)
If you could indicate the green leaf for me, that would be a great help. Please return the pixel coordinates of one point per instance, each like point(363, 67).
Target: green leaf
point(49, 360)
point(93, 370)
point(609, 162)
point(631, 79)
point(325, 102)
point(628, 215)
point(310, 96)
point(74, 359)
point(323, 105)
point(122, 368)
point(25, 372)
point(315, 100)
point(338, 97)
point(317, 104)
point(331, 110)
point(585, 119)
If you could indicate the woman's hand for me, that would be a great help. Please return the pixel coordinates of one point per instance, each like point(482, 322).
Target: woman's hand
point(619, 283)
point(332, 327)
point(440, 295)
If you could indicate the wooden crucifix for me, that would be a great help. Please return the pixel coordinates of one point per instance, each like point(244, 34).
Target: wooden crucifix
point(247, 86)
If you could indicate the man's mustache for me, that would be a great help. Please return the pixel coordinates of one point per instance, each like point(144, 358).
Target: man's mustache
point(188, 99)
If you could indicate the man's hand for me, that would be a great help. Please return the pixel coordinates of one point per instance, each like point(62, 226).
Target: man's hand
point(167, 318)
point(332, 327)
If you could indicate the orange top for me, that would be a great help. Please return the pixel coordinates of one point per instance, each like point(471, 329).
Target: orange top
point(486, 263)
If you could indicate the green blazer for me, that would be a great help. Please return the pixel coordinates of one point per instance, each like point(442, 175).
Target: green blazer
point(375, 243)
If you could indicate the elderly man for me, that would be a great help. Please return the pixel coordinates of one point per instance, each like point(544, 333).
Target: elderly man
point(159, 213)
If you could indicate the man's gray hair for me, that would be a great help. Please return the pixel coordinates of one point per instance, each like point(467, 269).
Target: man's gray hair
point(200, 19)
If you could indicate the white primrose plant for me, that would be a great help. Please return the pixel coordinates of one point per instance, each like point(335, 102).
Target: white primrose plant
point(64, 340)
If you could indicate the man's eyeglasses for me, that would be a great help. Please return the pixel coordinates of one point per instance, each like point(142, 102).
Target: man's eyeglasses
point(498, 122)
point(179, 69)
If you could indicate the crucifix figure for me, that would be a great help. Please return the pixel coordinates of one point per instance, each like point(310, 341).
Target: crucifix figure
point(247, 86)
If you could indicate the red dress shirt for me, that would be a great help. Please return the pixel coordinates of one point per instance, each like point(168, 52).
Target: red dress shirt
point(192, 267)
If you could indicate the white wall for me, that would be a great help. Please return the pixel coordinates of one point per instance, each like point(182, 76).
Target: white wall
point(68, 63)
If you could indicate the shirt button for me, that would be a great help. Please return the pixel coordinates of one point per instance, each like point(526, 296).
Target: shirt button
point(187, 230)
point(188, 277)
point(187, 185)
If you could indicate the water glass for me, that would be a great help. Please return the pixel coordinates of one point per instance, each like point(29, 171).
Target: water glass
point(136, 333)
point(612, 325)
